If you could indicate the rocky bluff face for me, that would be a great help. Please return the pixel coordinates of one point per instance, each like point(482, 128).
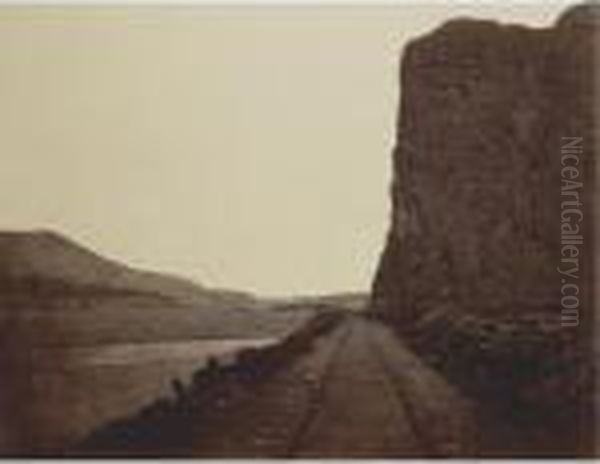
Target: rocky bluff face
point(476, 195)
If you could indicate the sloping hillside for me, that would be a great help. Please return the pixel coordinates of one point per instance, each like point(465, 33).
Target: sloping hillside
point(42, 262)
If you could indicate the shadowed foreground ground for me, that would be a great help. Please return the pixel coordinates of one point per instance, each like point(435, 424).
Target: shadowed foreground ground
point(358, 393)
point(355, 392)
point(345, 386)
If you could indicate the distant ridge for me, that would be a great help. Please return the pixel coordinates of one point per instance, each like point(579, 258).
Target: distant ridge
point(46, 256)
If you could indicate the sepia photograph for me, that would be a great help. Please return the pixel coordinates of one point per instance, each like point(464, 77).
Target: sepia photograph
point(299, 230)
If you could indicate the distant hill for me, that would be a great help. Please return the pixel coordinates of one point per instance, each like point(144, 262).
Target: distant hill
point(58, 292)
point(44, 259)
point(351, 301)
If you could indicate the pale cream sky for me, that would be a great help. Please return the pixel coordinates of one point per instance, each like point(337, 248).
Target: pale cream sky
point(242, 147)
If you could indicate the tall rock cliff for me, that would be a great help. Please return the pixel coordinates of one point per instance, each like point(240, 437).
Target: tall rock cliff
point(477, 181)
point(475, 238)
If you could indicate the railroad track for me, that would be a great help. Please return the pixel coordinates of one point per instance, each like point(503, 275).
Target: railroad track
point(357, 410)
point(317, 395)
point(358, 393)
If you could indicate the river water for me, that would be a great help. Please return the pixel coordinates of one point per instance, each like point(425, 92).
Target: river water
point(76, 390)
